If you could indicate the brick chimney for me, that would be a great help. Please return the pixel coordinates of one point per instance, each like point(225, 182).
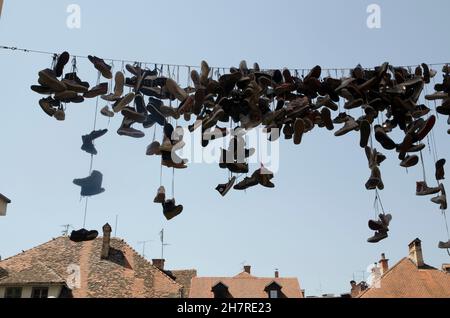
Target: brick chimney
point(106, 240)
point(384, 264)
point(357, 288)
point(159, 263)
point(415, 252)
point(277, 273)
point(247, 269)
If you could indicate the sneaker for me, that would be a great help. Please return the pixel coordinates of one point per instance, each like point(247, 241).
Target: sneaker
point(126, 130)
point(384, 139)
point(154, 149)
point(422, 189)
point(47, 105)
point(382, 224)
point(410, 161)
point(436, 96)
point(429, 124)
point(100, 89)
point(154, 108)
point(119, 80)
point(101, 66)
point(349, 126)
point(237, 167)
point(247, 183)
point(83, 235)
point(223, 189)
point(444, 245)
point(49, 79)
point(299, 128)
point(171, 210)
point(62, 60)
point(123, 102)
point(160, 195)
point(264, 178)
point(326, 118)
point(173, 88)
point(341, 118)
point(375, 179)
point(88, 144)
point(379, 236)
point(59, 114)
point(364, 129)
point(440, 172)
point(131, 114)
point(105, 111)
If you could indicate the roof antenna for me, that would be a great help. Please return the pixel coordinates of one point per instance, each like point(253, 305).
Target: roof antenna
point(161, 236)
point(144, 243)
point(115, 227)
point(66, 227)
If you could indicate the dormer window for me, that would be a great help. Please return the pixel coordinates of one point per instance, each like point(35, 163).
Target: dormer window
point(39, 292)
point(220, 290)
point(273, 290)
point(13, 292)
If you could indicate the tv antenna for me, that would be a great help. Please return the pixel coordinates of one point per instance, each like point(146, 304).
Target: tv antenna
point(161, 236)
point(144, 243)
point(66, 227)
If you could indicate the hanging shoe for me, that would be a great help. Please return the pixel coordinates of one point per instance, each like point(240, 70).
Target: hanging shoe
point(101, 66)
point(131, 114)
point(126, 130)
point(349, 126)
point(105, 111)
point(171, 160)
point(59, 114)
point(247, 183)
point(299, 128)
point(384, 139)
point(91, 185)
point(160, 195)
point(237, 167)
point(375, 180)
point(364, 129)
point(444, 245)
point(382, 224)
point(88, 144)
point(264, 178)
point(154, 149)
point(379, 236)
point(440, 172)
point(410, 161)
point(83, 235)
point(100, 89)
point(422, 189)
point(62, 60)
point(429, 124)
point(171, 210)
point(154, 108)
point(123, 102)
point(119, 83)
point(47, 105)
point(49, 79)
point(223, 189)
point(326, 118)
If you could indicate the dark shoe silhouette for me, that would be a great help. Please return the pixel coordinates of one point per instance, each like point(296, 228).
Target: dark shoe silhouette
point(83, 235)
point(101, 66)
point(88, 144)
point(62, 60)
point(440, 172)
point(91, 185)
point(223, 189)
point(171, 210)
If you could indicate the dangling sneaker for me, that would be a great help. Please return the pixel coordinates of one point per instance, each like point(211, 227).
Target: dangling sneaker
point(440, 172)
point(105, 111)
point(247, 182)
point(410, 161)
point(160, 196)
point(444, 245)
point(171, 210)
point(154, 149)
point(265, 175)
point(379, 236)
point(441, 199)
point(422, 189)
point(382, 224)
point(223, 189)
point(91, 185)
point(375, 180)
point(88, 144)
point(349, 126)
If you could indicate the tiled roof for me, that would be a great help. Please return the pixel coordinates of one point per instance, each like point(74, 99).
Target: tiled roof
point(183, 277)
point(125, 274)
point(244, 285)
point(36, 273)
point(406, 280)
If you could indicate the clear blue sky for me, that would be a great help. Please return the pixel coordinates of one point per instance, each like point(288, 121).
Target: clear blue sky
point(312, 226)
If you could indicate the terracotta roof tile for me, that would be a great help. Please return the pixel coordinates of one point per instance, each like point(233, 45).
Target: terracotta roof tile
point(124, 274)
point(406, 280)
point(244, 285)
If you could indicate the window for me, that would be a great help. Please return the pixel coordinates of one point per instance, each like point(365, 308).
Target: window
point(39, 292)
point(273, 294)
point(13, 292)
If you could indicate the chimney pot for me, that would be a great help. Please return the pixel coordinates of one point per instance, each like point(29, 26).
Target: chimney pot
point(159, 263)
point(277, 274)
point(247, 269)
point(446, 268)
point(384, 264)
point(415, 252)
point(106, 240)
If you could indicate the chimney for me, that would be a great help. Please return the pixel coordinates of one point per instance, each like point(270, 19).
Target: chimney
point(277, 274)
point(159, 263)
point(247, 269)
point(415, 252)
point(384, 264)
point(106, 240)
point(446, 268)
